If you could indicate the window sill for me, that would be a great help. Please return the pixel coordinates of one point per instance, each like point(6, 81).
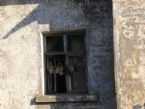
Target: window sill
point(66, 98)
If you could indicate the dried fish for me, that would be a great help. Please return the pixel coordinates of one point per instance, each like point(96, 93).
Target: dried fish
point(58, 68)
point(51, 68)
point(71, 68)
point(61, 70)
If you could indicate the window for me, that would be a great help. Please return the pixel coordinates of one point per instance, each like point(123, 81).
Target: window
point(65, 62)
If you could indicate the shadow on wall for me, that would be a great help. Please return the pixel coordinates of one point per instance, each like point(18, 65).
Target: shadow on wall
point(53, 16)
point(46, 13)
point(139, 107)
point(31, 17)
point(25, 21)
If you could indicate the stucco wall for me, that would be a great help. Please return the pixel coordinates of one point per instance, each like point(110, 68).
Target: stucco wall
point(21, 24)
point(129, 32)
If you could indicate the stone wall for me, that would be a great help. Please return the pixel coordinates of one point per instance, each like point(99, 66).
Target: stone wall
point(20, 47)
point(129, 31)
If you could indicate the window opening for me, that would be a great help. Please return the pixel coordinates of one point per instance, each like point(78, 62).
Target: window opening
point(65, 63)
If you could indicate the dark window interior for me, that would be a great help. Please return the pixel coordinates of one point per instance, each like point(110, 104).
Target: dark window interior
point(76, 43)
point(65, 63)
point(54, 44)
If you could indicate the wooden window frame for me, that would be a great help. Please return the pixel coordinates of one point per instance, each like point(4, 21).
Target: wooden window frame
point(66, 53)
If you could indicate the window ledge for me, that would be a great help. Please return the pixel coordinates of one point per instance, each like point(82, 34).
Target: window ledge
point(66, 98)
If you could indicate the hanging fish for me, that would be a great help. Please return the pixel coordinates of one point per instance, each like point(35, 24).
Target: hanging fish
point(51, 68)
point(61, 70)
point(58, 68)
point(47, 66)
point(71, 68)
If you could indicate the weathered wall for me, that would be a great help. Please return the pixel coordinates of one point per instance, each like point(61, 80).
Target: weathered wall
point(129, 32)
point(20, 50)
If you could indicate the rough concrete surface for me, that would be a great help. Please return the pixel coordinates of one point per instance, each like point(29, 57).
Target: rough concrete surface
point(129, 32)
point(21, 25)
